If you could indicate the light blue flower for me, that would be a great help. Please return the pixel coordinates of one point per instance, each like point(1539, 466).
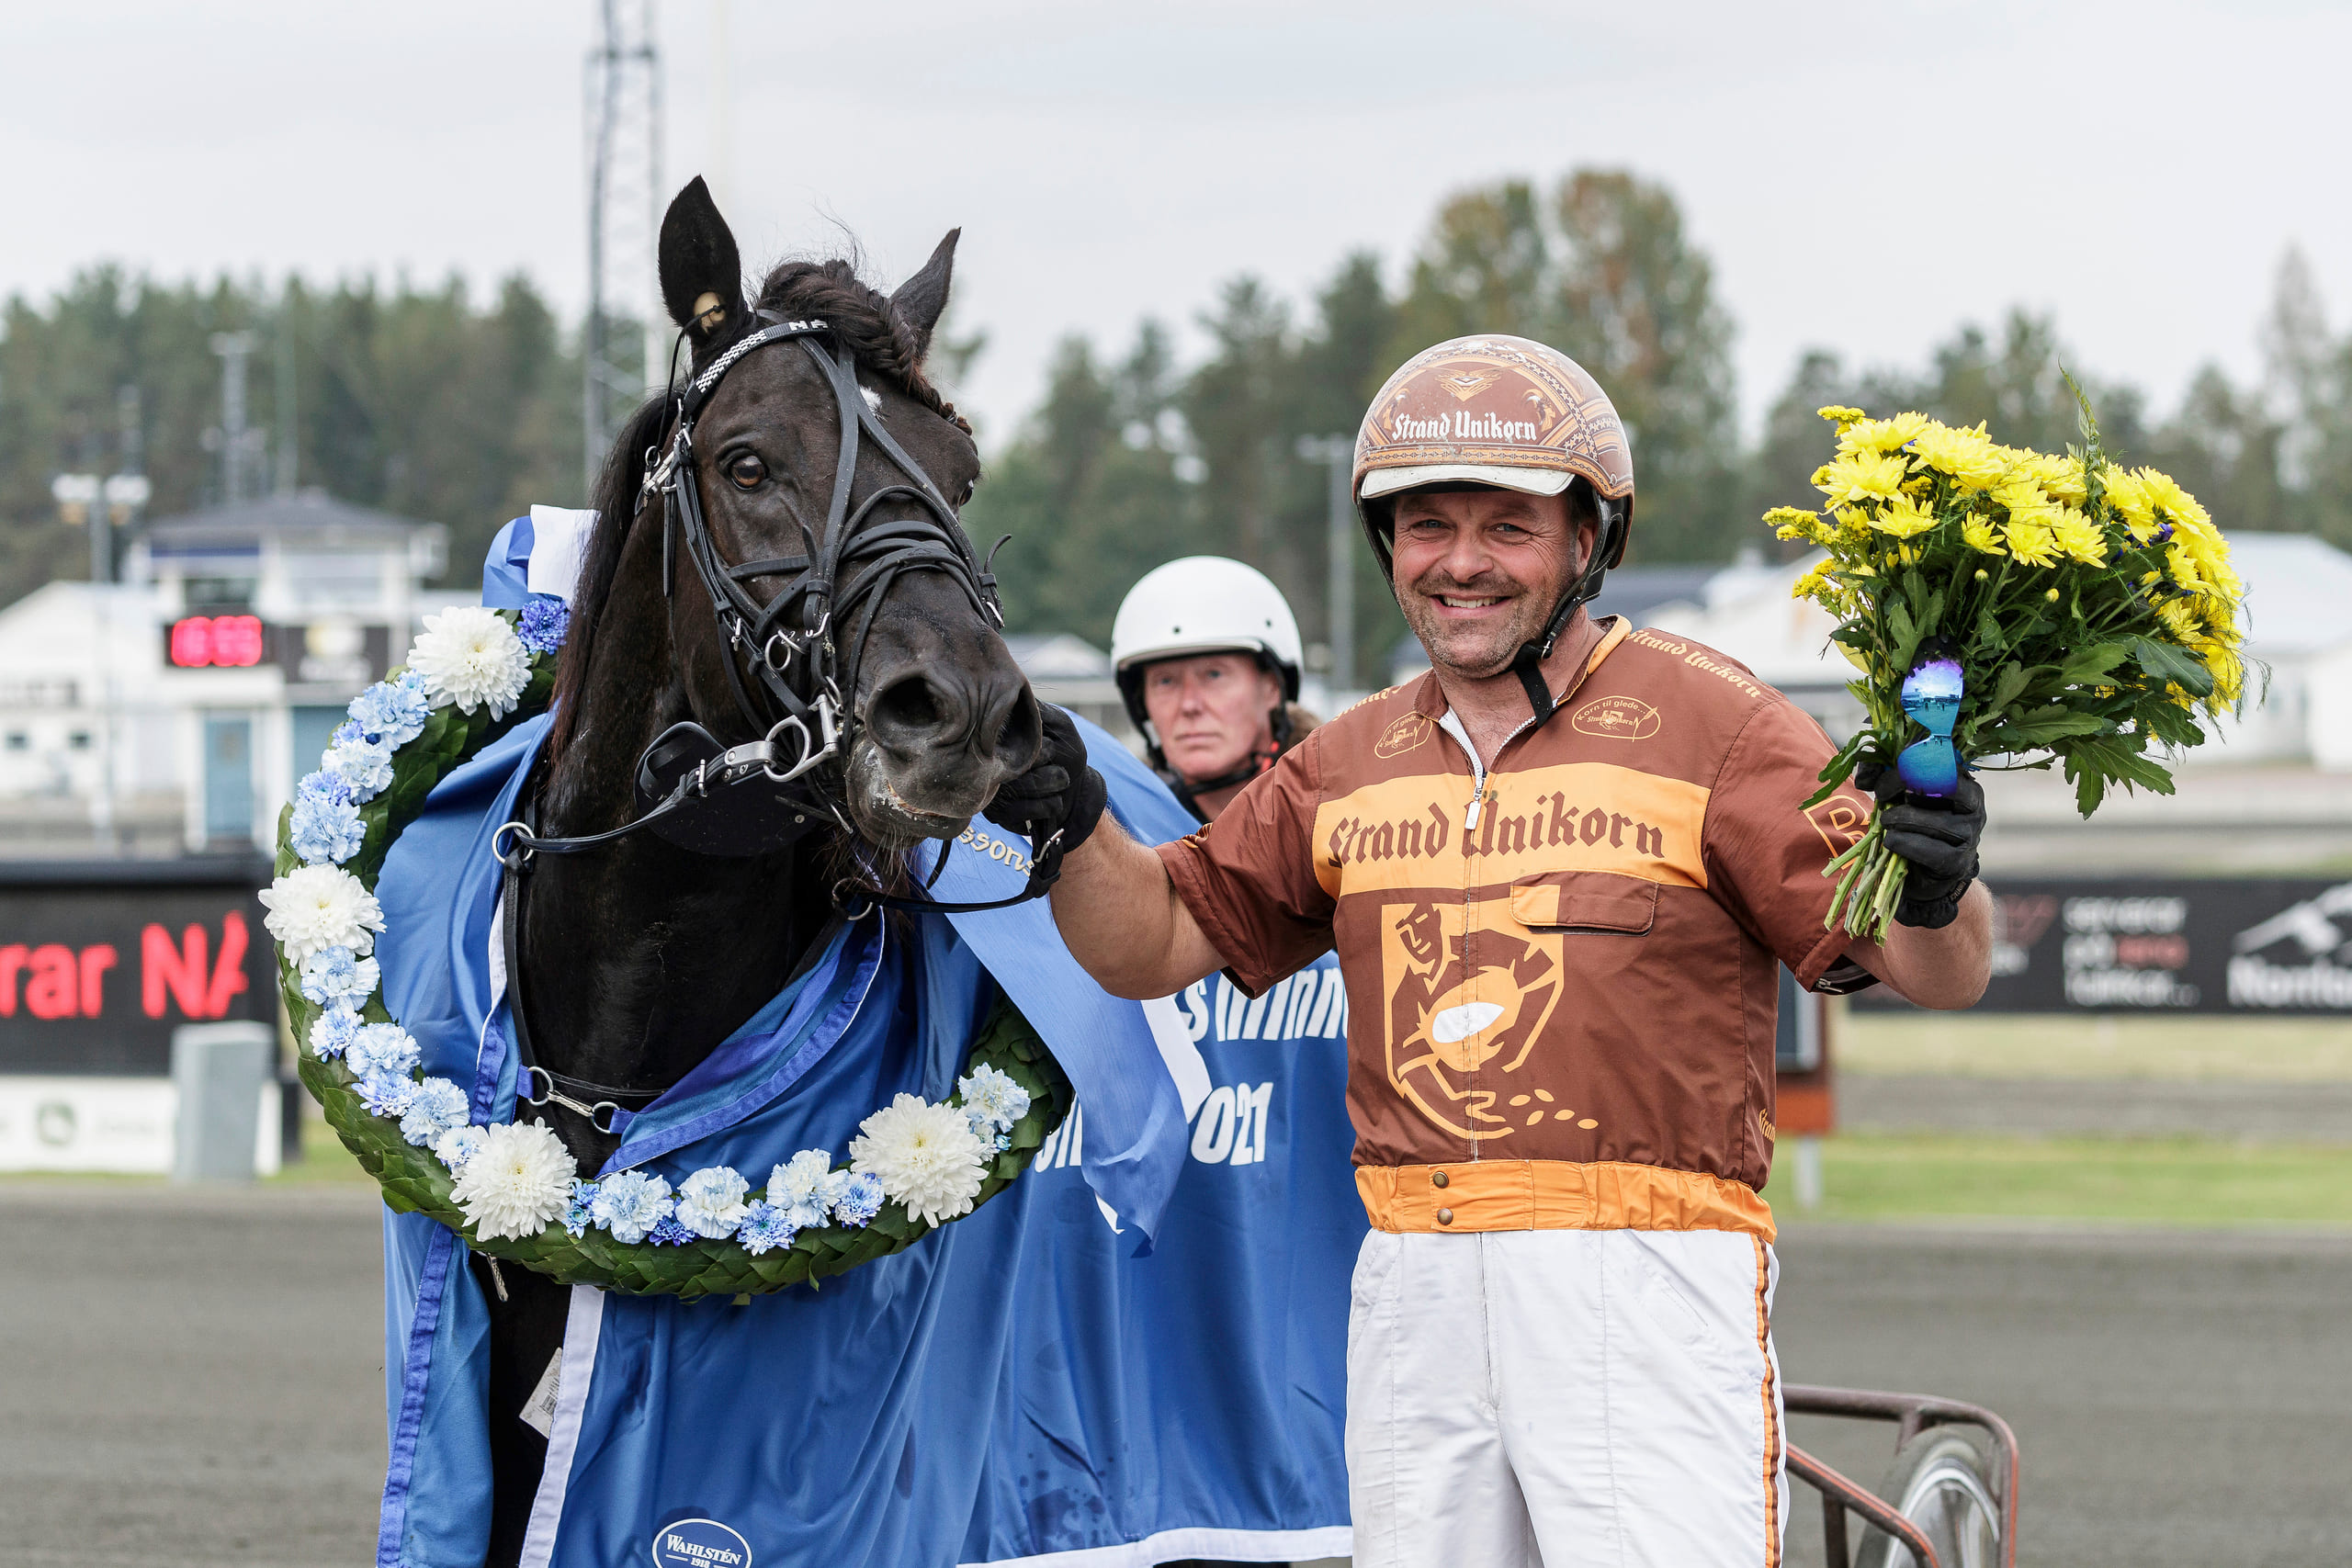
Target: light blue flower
point(456, 1146)
point(764, 1228)
point(390, 711)
point(333, 1031)
point(543, 625)
point(629, 1203)
point(860, 1200)
point(710, 1202)
point(579, 1209)
point(385, 1095)
point(323, 785)
point(367, 768)
point(669, 1233)
point(381, 1049)
point(992, 1101)
point(439, 1106)
point(802, 1187)
point(331, 974)
point(325, 832)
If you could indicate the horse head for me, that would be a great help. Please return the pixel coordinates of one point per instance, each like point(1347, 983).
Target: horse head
point(934, 714)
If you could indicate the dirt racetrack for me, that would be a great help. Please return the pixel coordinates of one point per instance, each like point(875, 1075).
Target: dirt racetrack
point(195, 1379)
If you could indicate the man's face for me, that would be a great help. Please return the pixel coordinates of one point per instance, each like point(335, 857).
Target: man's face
point(1479, 570)
point(1209, 711)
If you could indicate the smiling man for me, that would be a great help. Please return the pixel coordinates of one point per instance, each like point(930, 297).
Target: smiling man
point(1561, 872)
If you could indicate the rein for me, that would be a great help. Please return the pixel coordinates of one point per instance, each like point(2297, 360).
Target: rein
point(762, 795)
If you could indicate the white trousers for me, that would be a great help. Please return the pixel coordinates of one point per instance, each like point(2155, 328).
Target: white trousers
point(1562, 1398)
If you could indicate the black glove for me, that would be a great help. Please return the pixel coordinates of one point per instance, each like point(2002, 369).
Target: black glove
point(1937, 838)
point(1058, 793)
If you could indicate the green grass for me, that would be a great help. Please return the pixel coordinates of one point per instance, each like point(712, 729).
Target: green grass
point(2020, 1046)
point(324, 1157)
point(2158, 1181)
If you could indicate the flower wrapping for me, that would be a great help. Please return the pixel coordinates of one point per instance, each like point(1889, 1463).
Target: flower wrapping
point(2088, 612)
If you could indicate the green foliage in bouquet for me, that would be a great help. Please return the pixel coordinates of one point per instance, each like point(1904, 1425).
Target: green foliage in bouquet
point(2091, 608)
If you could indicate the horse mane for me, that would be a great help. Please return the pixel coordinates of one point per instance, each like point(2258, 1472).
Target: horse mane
point(860, 317)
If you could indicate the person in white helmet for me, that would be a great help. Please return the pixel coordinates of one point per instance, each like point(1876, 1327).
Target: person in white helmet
point(1206, 653)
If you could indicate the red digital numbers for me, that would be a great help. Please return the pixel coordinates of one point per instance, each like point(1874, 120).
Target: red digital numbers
point(232, 642)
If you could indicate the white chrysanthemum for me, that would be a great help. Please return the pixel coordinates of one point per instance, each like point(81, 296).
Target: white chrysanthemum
point(313, 908)
point(926, 1156)
point(469, 656)
point(518, 1178)
point(710, 1202)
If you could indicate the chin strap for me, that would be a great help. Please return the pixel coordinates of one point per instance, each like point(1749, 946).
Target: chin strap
point(1607, 551)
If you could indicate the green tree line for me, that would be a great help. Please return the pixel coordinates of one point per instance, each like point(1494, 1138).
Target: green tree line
point(1128, 463)
point(436, 405)
point(424, 403)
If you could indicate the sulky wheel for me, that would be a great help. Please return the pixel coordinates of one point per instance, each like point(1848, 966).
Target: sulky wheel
point(1937, 1482)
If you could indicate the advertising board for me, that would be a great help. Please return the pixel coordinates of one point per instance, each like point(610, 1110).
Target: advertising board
point(101, 960)
point(2249, 946)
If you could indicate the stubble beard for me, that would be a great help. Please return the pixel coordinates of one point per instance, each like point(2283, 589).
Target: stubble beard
point(1458, 650)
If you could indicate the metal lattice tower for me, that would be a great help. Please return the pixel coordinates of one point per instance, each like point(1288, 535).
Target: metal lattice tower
point(621, 353)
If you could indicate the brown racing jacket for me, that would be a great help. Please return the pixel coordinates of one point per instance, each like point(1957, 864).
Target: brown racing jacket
point(1561, 969)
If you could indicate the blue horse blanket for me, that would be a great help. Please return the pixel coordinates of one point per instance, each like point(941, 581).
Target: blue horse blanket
point(1134, 1354)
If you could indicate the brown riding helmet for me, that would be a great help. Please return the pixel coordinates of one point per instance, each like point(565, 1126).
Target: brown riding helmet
point(1491, 409)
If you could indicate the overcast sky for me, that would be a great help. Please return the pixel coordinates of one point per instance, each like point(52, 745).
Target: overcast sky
point(1865, 176)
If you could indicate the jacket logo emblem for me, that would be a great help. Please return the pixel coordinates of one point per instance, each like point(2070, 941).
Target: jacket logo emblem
point(1408, 731)
point(1840, 821)
point(1617, 718)
point(1453, 1026)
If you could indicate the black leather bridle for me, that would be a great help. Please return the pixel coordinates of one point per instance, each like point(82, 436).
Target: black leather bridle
point(767, 794)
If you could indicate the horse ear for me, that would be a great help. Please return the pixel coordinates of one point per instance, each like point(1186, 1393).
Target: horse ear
point(921, 299)
point(702, 273)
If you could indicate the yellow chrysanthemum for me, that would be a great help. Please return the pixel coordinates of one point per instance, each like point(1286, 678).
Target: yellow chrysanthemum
point(1839, 414)
point(2180, 564)
point(2129, 495)
point(2079, 536)
point(2031, 542)
point(1976, 531)
point(2179, 617)
point(1880, 434)
point(1862, 476)
point(2061, 478)
point(1966, 456)
point(2228, 672)
point(1904, 517)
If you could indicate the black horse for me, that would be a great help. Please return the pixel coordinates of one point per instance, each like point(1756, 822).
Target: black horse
point(635, 959)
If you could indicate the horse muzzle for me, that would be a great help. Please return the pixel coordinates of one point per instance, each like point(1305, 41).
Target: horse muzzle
point(935, 740)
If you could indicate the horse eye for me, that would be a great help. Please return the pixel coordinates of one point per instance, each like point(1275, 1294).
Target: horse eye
point(965, 499)
point(747, 471)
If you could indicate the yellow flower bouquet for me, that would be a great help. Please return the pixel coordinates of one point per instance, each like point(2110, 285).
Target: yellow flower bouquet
point(2007, 603)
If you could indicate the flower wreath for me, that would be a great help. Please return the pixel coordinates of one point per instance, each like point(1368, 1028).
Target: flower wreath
point(512, 1190)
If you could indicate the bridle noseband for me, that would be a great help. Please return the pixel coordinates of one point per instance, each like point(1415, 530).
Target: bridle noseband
point(764, 796)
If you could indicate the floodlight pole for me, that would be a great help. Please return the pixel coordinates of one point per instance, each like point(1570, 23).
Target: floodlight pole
point(1337, 453)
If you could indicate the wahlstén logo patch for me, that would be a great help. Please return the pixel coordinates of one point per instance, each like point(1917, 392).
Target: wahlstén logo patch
point(699, 1543)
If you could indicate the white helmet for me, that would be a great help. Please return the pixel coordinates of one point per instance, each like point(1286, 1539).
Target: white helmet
point(1202, 605)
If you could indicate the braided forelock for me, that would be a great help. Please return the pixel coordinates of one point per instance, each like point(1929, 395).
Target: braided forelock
point(861, 318)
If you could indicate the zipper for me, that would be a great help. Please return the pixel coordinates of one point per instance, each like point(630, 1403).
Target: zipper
point(1452, 725)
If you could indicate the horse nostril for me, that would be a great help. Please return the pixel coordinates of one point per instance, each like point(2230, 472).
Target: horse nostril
point(907, 707)
point(1021, 736)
